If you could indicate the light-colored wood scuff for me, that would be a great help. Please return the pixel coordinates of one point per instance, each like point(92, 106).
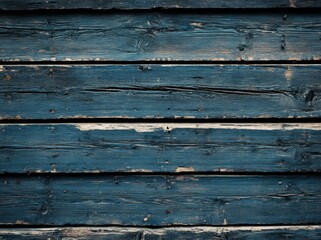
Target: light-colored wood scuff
point(288, 74)
point(147, 127)
point(82, 231)
point(196, 24)
point(185, 169)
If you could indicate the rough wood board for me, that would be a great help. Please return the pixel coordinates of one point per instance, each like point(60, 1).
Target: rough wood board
point(159, 36)
point(78, 148)
point(149, 4)
point(170, 233)
point(159, 200)
point(160, 91)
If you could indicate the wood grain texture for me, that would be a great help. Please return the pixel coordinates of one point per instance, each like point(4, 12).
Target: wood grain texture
point(160, 91)
point(170, 233)
point(149, 4)
point(159, 148)
point(159, 200)
point(159, 36)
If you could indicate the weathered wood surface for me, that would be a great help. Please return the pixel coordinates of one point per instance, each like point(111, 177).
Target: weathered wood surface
point(150, 4)
point(160, 148)
point(159, 200)
point(158, 91)
point(131, 176)
point(170, 233)
point(159, 36)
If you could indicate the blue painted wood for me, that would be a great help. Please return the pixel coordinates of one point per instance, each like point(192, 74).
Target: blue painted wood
point(159, 200)
point(158, 91)
point(159, 36)
point(65, 148)
point(169, 233)
point(149, 4)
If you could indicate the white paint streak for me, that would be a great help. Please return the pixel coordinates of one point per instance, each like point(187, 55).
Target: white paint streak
point(148, 127)
point(196, 24)
point(185, 169)
point(1, 68)
point(139, 170)
point(92, 231)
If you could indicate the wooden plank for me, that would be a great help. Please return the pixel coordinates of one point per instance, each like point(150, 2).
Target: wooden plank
point(160, 91)
point(160, 148)
point(149, 200)
point(150, 4)
point(159, 36)
point(131, 233)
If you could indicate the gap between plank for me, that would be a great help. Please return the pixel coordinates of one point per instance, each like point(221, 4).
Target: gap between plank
point(182, 120)
point(174, 226)
point(164, 62)
point(159, 174)
point(176, 11)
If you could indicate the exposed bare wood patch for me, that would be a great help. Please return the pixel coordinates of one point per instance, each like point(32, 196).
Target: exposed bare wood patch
point(288, 73)
point(149, 127)
point(185, 169)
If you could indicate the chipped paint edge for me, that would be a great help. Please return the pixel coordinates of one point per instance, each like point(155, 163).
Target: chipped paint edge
point(145, 127)
point(161, 231)
point(167, 127)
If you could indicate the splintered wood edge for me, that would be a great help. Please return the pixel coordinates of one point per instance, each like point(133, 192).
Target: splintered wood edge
point(166, 127)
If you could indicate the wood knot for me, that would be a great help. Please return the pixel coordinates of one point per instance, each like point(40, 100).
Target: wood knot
point(242, 47)
point(280, 143)
point(51, 72)
point(249, 35)
point(8, 97)
point(309, 95)
point(6, 78)
point(44, 209)
point(144, 68)
point(116, 180)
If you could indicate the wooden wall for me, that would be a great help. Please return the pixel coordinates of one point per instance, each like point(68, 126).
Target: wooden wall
point(160, 119)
